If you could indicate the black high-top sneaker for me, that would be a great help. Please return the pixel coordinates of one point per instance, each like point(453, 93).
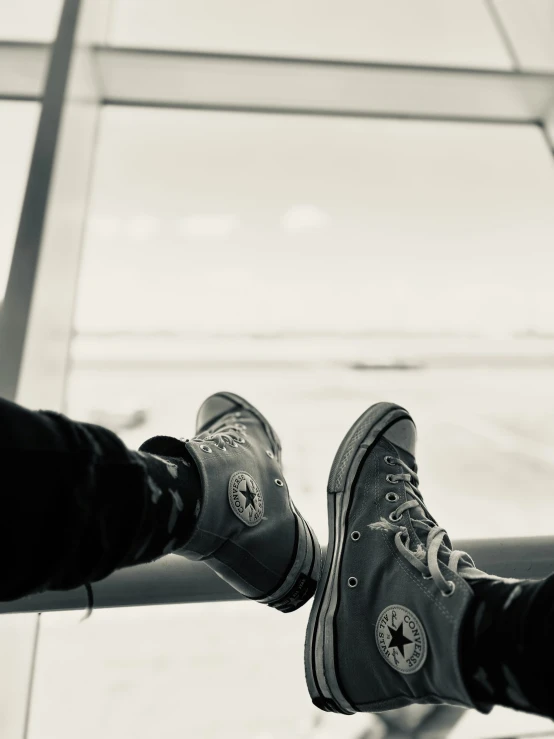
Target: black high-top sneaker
point(384, 630)
point(248, 530)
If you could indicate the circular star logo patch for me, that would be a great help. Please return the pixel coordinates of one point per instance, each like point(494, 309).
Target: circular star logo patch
point(245, 498)
point(401, 639)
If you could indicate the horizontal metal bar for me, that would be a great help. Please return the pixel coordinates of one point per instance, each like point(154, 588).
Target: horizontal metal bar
point(174, 579)
point(322, 112)
point(326, 87)
point(315, 61)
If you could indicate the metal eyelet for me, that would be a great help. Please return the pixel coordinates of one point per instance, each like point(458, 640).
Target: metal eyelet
point(355, 535)
point(389, 460)
point(205, 448)
point(233, 444)
point(237, 415)
point(241, 440)
point(392, 497)
point(280, 483)
point(427, 577)
point(451, 591)
point(270, 453)
point(389, 478)
point(394, 518)
point(352, 582)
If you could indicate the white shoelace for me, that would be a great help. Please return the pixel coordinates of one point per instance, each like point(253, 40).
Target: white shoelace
point(424, 558)
point(224, 433)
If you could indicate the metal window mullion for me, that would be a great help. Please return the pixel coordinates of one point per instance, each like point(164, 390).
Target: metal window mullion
point(14, 319)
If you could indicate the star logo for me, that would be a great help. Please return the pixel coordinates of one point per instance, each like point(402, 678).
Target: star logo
point(246, 499)
point(248, 488)
point(398, 639)
point(401, 639)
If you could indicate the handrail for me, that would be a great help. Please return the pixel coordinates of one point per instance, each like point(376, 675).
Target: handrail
point(173, 579)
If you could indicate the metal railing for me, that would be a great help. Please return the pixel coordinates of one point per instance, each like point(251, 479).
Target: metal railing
point(174, 579)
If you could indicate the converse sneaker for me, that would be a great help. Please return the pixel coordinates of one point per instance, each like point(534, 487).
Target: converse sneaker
point(248, 530)
point(384, 630)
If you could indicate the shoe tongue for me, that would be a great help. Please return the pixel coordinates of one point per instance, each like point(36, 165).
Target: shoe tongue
point(213, 409)
point(403, 435)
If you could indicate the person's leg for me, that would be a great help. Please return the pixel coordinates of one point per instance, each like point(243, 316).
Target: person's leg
point(79, 504)
point(398, 616)
point(76, 504)
point(507, 644)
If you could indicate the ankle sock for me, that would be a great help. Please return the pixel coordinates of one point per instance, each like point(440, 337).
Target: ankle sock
point(175, 493)
point(507, 648)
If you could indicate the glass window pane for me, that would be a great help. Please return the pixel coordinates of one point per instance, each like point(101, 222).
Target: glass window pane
point(18, 122)
point(530, 27)
point(457, 33)
point(173, 671)
point(224, 247)
point(208, 671)
point(315, 266)
point(29, 20)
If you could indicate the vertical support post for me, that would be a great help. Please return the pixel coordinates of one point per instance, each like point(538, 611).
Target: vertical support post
point(19, 662)
point(548, 130)
point(14, 320)
point(36, 322)
point(502, 31)
point(519, 11)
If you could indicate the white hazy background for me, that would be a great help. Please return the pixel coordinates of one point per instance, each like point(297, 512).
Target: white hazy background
point(315, 266)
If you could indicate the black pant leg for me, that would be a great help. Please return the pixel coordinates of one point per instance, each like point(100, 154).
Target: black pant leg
point(76, 504)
